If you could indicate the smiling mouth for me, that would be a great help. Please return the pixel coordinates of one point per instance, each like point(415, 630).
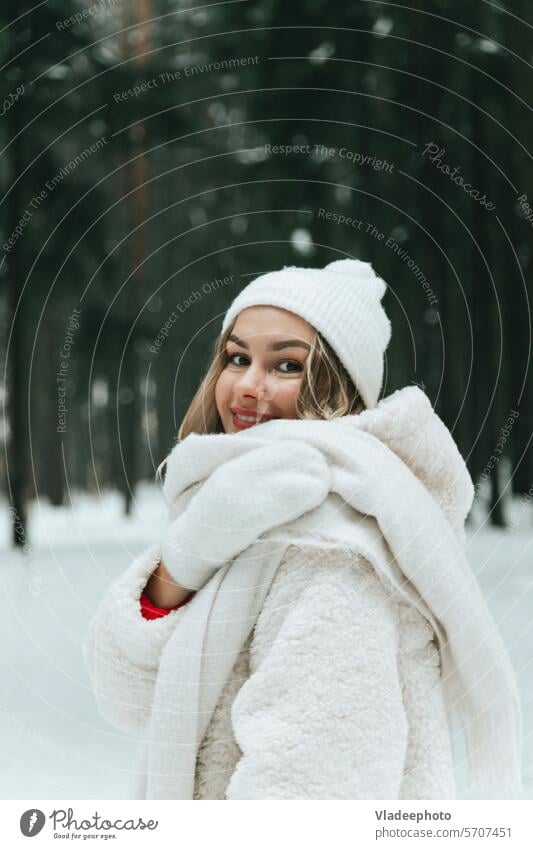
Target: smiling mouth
point(251, 418)
point(247, 419)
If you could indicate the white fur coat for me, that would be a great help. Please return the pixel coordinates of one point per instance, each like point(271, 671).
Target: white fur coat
point(336, 694)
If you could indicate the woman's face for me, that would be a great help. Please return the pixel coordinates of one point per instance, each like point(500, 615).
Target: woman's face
point(265, 356)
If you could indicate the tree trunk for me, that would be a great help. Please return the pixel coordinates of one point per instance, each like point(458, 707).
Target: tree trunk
point(17, 450)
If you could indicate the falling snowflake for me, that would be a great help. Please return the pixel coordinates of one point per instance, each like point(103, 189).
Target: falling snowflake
point(383, 26)
point(322, 53)
point(302, 242)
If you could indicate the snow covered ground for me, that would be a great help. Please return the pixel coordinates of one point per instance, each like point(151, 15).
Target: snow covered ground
point(54, 743)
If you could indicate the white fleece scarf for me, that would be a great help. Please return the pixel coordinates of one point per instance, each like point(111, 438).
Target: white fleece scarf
point(399, 495)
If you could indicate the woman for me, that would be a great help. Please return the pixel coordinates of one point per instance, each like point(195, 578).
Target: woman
point(308, 624)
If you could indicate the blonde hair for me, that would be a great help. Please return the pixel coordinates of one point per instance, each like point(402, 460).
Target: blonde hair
point(326, 391)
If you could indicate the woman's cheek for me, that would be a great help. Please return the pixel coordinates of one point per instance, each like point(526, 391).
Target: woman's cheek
point(222, 389)
point(287, 397)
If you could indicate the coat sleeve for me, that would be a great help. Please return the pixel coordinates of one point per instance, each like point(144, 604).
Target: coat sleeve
point(321, 715)
point(122, 649)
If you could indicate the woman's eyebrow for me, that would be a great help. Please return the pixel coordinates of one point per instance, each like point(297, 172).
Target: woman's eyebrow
point(275, 346)
point(289, 343)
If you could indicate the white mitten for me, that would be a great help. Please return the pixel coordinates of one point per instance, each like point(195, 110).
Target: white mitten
point(241, 500)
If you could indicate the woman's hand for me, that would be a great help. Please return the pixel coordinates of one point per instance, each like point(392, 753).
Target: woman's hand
point(240, 501)
point(163, 591)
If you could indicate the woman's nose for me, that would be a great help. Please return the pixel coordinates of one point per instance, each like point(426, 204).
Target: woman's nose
point(254, 382)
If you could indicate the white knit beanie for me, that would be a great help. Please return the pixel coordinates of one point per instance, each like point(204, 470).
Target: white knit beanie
point(343, 302)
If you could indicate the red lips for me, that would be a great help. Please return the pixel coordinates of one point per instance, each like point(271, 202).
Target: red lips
point(242, 411)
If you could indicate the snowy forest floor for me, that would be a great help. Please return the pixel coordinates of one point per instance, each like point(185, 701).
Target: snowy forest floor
point(54, 743)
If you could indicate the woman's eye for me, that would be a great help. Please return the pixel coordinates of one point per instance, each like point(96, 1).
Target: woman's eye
point(294, 366)
point(231, 358)
point(285, 366)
